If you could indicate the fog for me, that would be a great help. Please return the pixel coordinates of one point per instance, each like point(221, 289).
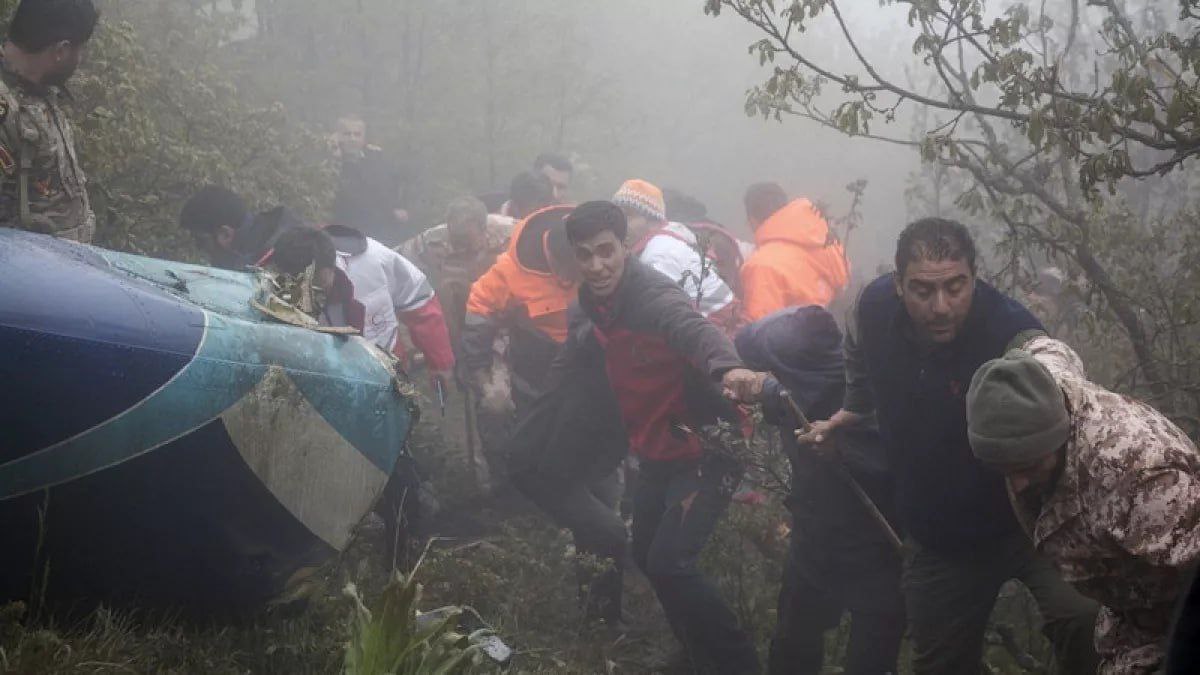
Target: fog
point(626, 88)
point(682, 83)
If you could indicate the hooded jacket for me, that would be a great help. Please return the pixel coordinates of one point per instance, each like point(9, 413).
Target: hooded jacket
point(797, 262)
point(663, 361)
point(522, 294)
point(802, 349)
point(392, 290)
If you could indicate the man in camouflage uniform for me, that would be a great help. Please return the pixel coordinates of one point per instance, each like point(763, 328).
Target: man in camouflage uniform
point(1106, 487)
point(453, 255)
point(456, 253)
point(43, 187)
point(462, 248)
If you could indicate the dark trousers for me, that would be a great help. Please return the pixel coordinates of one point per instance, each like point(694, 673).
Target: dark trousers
point(589, 510)
point(676, 506)
point(950, 598)
point(812, 597)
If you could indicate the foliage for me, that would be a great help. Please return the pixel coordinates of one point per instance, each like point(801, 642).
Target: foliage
point(745, 558)
point(1006, 66)
point(500, 576)
point(393, 641)
point(1064, 131)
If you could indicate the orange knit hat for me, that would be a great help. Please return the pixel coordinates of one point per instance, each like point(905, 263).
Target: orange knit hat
point(643, 197)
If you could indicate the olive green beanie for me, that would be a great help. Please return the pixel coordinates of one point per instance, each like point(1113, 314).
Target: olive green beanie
point(1016, 414)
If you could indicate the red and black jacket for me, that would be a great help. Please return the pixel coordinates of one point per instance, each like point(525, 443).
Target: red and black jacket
point(664, 361)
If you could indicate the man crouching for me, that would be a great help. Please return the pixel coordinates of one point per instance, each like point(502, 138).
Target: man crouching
point(1106, 486)
point(667, 366)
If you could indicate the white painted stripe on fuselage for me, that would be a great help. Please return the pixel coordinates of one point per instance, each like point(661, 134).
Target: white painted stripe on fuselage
point(315, 473)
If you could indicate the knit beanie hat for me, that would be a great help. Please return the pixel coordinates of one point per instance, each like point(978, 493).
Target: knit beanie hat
point(1016, 414)
point(642, 197)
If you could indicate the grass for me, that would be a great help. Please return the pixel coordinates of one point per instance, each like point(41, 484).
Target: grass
point(392, 639)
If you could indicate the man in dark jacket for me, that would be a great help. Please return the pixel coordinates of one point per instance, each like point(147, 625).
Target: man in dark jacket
point(839, 557)
point(916, 339)
point(370, 186)
point(667, 366)
point(231, 236)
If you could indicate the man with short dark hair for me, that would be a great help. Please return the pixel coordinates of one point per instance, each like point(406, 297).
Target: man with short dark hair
point(915, 339)
point(226, 231)
point(558, 170)
point(370, 193)
point(43, 187)
point(668, 367)
point(308, 257)
point(528, 192)
point(797, 262)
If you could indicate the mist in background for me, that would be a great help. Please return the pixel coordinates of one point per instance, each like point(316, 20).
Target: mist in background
point(464, 95)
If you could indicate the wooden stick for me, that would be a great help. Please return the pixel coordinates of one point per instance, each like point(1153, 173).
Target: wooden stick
point(841, 471)
point(479, 475)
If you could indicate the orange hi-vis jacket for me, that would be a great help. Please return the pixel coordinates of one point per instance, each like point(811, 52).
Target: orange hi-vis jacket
point(520, 293)
point(796, 263)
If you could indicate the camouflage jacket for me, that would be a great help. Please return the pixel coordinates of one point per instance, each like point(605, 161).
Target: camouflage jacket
point(432, 252)
point(1122, 522)
point(37, 156)
point(452, 272)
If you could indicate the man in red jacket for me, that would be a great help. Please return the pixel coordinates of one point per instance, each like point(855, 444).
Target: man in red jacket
point(673, 373)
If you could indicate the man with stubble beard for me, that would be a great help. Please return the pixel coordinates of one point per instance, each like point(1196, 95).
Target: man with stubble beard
point(916, 337)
